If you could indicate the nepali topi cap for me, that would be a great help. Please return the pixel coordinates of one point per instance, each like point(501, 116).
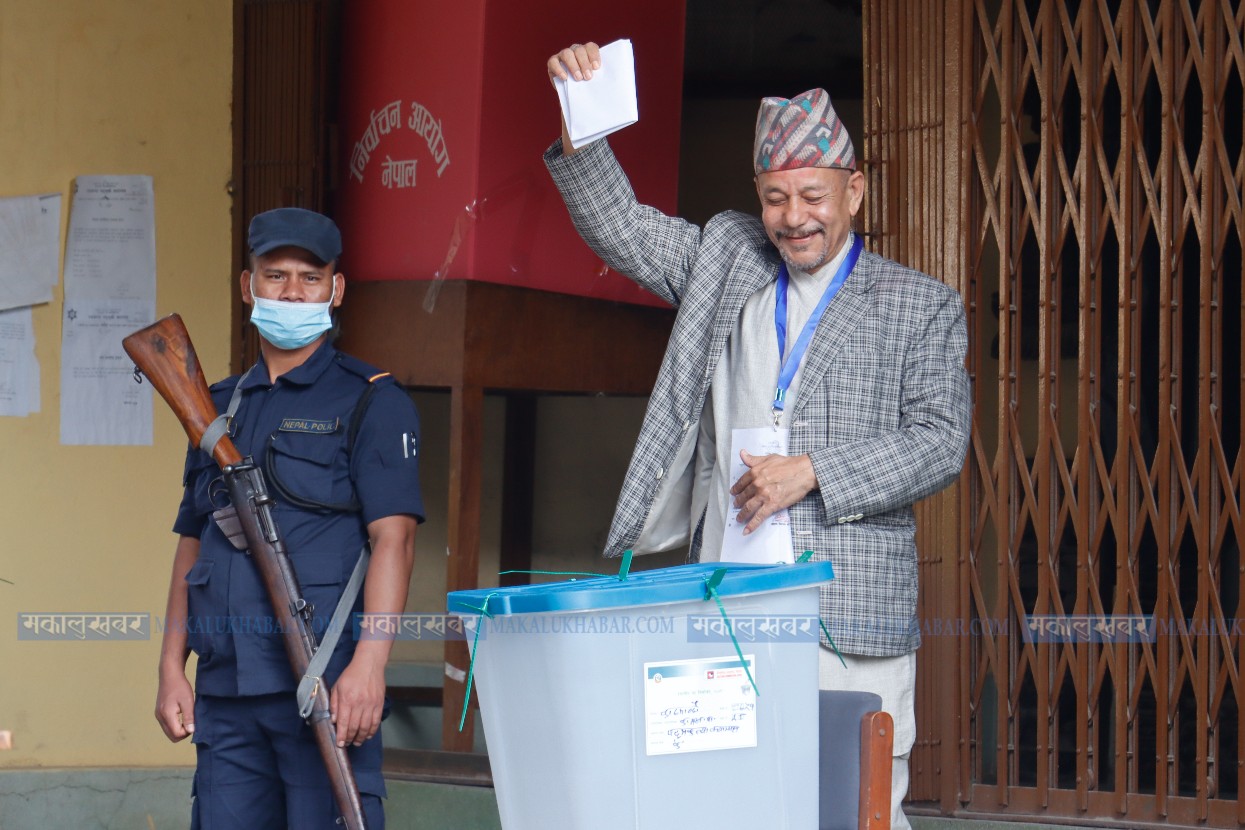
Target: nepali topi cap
point(803, 131)
point(306, 229)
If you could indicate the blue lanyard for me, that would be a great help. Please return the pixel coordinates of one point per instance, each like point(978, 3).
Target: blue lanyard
point(786, 372)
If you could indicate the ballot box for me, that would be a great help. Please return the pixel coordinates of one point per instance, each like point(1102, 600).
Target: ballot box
point(651, 701)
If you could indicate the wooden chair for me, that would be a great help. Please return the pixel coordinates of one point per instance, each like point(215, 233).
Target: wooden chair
point(856, 742)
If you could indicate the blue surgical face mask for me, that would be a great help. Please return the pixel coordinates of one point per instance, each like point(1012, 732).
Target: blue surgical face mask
point(289, 325)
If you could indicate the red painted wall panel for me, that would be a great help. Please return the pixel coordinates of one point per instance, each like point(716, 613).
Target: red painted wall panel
point(457, 92)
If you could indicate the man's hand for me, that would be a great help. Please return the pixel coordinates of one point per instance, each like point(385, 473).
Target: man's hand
point(575, 61)
point(771, 483)
point(358, 699)
point(175, 700)
point(175, 705)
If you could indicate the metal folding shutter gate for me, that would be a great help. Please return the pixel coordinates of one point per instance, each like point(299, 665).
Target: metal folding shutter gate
point(1076, 170)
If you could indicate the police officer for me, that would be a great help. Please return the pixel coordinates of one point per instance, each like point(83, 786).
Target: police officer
point(338, 443)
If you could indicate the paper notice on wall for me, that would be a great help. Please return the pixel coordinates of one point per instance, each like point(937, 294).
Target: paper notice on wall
point(19, 370)
point(110, 291)
point(100, 401)
point(111, 251)
point(30, 233)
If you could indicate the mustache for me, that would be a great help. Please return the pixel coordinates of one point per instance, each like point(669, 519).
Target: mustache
point(804, 231)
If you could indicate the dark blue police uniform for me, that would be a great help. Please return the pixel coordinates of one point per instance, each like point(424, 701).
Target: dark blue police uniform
point(332, 470)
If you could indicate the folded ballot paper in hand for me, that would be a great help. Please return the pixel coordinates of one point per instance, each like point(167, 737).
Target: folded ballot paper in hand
point(604, 103)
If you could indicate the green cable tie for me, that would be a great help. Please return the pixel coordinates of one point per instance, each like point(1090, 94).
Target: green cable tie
point(804, 557)
point(714, 580)
point(826, 631)
point(551, 573)
point(483, 611)
point(626, 565)
point(471, 666)
point(711, 591)
point(621, 576)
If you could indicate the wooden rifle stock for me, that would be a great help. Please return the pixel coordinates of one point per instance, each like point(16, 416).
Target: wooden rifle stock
point(164, 353)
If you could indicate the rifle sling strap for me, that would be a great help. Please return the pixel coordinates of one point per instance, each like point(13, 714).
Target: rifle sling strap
point(220, 424)
point(311, 679)
point(309, 684)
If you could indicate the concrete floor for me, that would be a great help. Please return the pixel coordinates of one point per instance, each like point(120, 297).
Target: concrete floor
point(159, 799)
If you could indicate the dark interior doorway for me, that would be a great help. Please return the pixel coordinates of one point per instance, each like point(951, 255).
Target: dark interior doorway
point(739, 51)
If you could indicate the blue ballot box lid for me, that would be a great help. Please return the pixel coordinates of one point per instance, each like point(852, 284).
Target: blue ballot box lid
point(683, 583)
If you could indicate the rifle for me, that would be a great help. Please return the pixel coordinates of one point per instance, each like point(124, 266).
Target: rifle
point(163, 352)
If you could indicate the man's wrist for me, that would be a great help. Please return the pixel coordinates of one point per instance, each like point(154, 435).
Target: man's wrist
point(172, 665)
point(372, 654)
point(811, 472)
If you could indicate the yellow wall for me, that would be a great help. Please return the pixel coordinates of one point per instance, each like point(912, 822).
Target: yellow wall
point(107, 87)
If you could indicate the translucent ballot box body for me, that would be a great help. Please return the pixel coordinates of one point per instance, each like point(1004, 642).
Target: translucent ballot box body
point(611, 703)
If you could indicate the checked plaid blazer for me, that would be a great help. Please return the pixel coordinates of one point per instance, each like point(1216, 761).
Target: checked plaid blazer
point(883, 409)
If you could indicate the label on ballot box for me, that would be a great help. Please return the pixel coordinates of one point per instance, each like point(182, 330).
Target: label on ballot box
point(699, 705)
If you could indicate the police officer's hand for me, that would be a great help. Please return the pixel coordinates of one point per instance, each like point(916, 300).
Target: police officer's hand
point(771, 483)
point(358, 700)
point(175, 705)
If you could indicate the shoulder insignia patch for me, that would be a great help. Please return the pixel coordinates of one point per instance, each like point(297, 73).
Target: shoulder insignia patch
point(366, 371)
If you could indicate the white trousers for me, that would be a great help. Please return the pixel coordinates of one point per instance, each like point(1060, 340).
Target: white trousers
point(894, 679)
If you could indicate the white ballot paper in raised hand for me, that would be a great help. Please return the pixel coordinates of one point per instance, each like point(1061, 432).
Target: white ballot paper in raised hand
point(604, 103)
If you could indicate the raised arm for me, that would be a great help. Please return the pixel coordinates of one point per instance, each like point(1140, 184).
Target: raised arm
point(575, 62)
point(638, 241)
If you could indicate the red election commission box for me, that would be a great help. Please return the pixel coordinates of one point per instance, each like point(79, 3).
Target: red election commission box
point(446, 111)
